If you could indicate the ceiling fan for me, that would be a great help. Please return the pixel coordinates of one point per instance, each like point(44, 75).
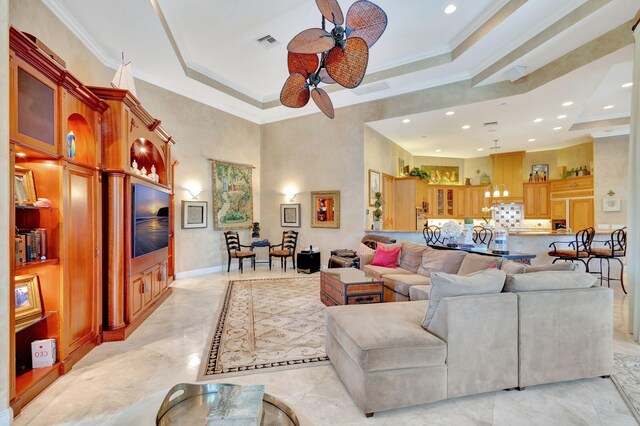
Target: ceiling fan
point(343, 53)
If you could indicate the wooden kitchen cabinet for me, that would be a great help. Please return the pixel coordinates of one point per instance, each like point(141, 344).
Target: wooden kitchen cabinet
point(507, 170)
point(581, 213)
point(475, 201)
point(411, 194)
point(536, 201)
point(558, 209)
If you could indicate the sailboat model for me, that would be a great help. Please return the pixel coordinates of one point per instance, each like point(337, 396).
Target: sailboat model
point(124, 78)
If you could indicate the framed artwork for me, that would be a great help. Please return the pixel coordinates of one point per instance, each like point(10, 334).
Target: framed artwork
point(290, 215)
point(194, 214)
point(24, 187)
point(374, 186)
point(443, 175)
point(400, 167)
point(325, 209)
point(28, 300)
point(232, 196)
point(540, 169)
point(611, 205)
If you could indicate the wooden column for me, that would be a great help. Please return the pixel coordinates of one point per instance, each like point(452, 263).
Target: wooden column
point(115, 268)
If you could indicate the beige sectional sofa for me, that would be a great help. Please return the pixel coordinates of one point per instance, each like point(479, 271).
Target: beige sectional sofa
point(537, 328)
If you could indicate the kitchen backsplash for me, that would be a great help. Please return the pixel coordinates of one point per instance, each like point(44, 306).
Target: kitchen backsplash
point(508, 215)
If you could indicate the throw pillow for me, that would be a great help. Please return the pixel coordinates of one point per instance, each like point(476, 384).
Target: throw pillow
point(548, 280)
point(390, 246)
point(386, 257)
point(364, 249)
point(477, 262)
point(411, 256)
point(443, 285)
point(434, 260)
point(511, 267)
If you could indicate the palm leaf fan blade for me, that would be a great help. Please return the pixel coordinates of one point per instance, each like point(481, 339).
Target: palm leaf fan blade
point(303, 63)
point(312, 40)
point(295, 92)
point(348, 67)
point(367, 21)
point(322, 100)
point(331, 10)
point(325, 77)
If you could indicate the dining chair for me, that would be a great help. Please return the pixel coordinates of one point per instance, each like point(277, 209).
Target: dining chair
point(234, 250)
point(482, 235)
point(577, 250)
point(614, 249)
point(432, 235)
point(287, 249)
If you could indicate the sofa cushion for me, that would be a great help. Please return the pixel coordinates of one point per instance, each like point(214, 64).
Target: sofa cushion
point(411, 256)
point(378, 271)
point(364, 249)
point(434, 260)
point(419, 292)
point(444, 285)
point(473, 262)
point(401, 283)
point(511, 267)
point(387, 257)
point(385, 336)
point(549, 280)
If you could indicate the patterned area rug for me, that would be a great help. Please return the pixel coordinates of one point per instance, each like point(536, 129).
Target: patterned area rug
point(267, 324)
point(626, 376)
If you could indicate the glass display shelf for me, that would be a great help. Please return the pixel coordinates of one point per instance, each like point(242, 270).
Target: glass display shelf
point(34, 322)
point(27, 265)
point(35, 208)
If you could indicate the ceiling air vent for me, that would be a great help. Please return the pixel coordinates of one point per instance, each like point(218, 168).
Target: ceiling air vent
point(490, 126)
point(268, 41)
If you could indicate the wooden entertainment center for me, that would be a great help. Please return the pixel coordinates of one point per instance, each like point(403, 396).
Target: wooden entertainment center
point(74, 271)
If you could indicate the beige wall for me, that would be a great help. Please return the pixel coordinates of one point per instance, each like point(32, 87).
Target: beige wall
point(473, 165)
point(201, 132)
point(611, 174)
point(5, 292)
point(576, 156)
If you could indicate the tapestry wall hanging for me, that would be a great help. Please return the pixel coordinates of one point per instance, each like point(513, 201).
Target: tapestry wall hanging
point(232, 195)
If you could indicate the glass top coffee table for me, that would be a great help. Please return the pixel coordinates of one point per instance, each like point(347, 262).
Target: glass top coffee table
point(349, 286)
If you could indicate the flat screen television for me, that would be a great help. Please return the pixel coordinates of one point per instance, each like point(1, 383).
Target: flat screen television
point(150, 220)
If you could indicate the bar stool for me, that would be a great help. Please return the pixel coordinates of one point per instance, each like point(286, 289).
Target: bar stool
point(577, 250)
point(615, 249)
point(482, 235)
point(432, 235)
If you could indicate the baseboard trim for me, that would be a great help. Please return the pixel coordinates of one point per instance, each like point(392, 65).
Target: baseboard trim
point(6, 417)
point(198, 272)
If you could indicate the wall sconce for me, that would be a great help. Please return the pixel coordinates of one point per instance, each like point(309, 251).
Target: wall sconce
point(193, 189)
point(291, 197)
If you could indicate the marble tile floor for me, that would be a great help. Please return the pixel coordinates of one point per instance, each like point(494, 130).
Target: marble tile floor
point(123, 383)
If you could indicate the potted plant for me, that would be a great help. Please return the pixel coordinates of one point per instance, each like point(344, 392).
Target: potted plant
point(377, 213)
point(255, 231)
point(419, 173)
point(468, 230)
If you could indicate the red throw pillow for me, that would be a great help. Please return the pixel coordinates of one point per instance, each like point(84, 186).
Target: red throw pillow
point(387, 257)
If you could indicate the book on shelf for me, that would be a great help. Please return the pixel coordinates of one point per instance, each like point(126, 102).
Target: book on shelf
point(30, 245)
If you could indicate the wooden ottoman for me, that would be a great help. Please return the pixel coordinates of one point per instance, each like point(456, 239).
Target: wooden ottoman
point(349, 286)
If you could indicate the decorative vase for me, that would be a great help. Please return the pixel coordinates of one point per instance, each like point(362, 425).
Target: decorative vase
point(468, 233)
point(377, 225)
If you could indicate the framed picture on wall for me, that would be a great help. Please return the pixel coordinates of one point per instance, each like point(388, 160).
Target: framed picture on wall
point(325, 209)
point(541, 169)
point(611, 205)
point(194, 214)
point(375, 185)
point(24, 187)
point(290, 215)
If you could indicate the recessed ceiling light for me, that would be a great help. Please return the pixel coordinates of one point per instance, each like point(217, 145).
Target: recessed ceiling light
point(480, 149)
point(450, 9)
point(608, 107)
point(450, 113)
point(438, 150)
point(561, 116)
point(537, 120)
point(568, 103)
point(627, 85)
point(406, 120)
point(466, 127)
point(531, 140)
point(557, 128)
point(21, 154)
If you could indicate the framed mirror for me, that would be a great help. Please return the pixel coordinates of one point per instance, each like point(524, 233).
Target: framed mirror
point(24, 187)
point(325, 209)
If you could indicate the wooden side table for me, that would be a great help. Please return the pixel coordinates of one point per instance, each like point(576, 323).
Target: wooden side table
point(349, 286)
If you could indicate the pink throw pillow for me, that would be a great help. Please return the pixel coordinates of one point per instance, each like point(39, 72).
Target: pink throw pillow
point(387, 257)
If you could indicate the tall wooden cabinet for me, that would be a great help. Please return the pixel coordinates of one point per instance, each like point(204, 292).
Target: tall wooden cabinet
point(55, 134)
point(536, 200)
point(572, 201)
point(131, 140)
point(507, 170)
